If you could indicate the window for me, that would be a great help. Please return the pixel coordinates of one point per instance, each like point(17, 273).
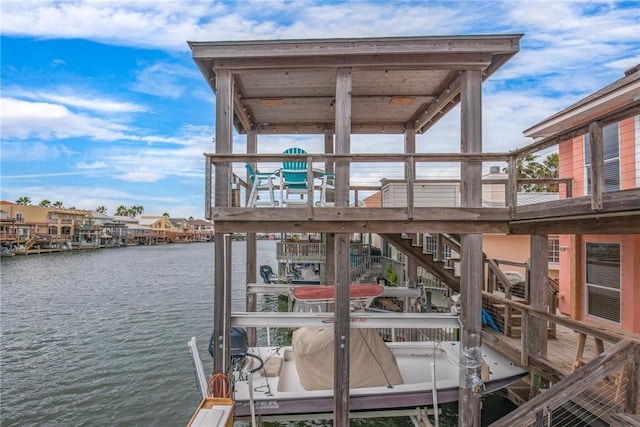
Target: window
point(19, 217)
point(602, 280)
point(611, 145)
point(553, 249)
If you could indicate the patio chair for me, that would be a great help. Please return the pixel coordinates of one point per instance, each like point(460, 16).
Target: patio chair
point(293, 177)
point(260, 182)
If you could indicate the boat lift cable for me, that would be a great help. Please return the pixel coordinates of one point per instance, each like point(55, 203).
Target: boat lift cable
point(375, 358)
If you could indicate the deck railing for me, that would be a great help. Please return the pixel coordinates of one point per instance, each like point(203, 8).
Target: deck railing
point(603, 392)
point(409, 180)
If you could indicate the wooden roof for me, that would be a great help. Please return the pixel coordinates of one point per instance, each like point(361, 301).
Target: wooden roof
point(289, 86)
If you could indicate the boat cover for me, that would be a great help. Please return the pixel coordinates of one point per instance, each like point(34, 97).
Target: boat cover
point(328, 292)
point(371, 362)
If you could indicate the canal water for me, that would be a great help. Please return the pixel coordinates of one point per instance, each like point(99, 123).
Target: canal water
point(99, 337)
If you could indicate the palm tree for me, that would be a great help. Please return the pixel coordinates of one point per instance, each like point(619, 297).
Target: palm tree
point(57, 204)
point(44, 203)
point(528, 168)
point(122, 211)
point(101, 209)
point(24, 200)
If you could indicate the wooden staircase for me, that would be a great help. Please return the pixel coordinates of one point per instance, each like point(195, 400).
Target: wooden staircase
point(415, 251)
point(509, 321)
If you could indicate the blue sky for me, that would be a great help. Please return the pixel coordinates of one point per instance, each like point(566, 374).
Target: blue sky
point(101, 103)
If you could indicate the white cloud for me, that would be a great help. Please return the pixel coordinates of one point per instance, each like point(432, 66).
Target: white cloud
point(141, 176)
point(24, 119)
point(27, 151)
point(95, 165)
point(164, 80)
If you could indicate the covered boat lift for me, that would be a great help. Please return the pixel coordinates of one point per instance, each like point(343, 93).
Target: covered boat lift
point(336, 88)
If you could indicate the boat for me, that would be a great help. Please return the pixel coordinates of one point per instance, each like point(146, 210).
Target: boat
point(285, 381)
point(278, 388)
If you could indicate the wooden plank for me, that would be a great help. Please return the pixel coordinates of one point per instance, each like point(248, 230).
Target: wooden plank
point(415, 226)
point(615, 201)
point(498, 215)
point(539, 298)
point(625, 420)
point(604, 333)
point(572, 385)
point(508, 43)
point(291, 64)
point(615, 223)
point(218, 304)
point(472, 266)
point(360, 157)
point(342, 259)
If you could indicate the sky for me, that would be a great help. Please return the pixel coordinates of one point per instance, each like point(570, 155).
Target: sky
point(102, 105)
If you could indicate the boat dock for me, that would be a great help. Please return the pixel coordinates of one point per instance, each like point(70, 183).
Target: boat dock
point(440, 212)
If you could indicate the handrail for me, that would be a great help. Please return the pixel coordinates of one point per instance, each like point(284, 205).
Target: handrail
point(605, 333)
point(594, 371)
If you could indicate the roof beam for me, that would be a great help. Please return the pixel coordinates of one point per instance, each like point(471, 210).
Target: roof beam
point(435, 61)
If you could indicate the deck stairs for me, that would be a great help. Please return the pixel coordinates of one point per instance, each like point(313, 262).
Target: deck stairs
point(442, 260)
point(442, 268)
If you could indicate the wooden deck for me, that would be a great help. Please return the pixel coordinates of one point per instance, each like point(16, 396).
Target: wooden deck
point(561, 350)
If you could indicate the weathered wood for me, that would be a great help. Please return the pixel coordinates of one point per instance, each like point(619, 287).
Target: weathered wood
point(339, 214)
point(625, 420)
point(569, 386)
point(361, 226)
point(251, 277)
point(615, 223)
point(223, 143)
point(357, 47)
point(342, 259)
point(218, 304)
point(539, 273)
point(472, 265)
point(224, 137)
point(360, 158)
point(618, 201)
point(604, 333)
point(341, 332)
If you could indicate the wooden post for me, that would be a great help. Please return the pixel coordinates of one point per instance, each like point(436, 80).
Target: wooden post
point(251, 248)
point(329, 167)
point(471, 252)
point(224, 123)
point(539, 271)
point(342, 260)
point(410, 167)
point(330, 265)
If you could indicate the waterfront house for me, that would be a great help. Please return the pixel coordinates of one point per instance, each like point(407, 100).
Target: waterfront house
point(600, 273)
point(46, 228)
point(202, 230)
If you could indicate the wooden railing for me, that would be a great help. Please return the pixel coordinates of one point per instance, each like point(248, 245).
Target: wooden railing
point(605, 389)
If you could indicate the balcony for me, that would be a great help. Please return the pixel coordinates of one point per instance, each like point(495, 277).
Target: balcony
point(418, 192)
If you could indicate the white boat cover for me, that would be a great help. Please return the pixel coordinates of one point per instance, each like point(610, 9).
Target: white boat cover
point(371, 362)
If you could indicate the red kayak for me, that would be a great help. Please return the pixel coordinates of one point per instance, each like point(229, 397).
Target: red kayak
point(328, 292)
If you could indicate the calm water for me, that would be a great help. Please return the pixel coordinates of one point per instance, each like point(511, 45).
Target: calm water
point(99, 338)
